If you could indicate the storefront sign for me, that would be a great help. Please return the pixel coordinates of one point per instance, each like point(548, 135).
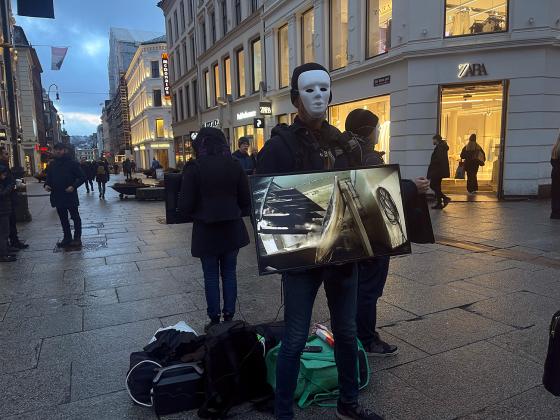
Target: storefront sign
point(265, 108)
point(471, 70)
point(382, 81)
point(258, 123)
point(213, 124)
point(165, 66)
point(3, 134)
point(246, 114)
point(193, 135)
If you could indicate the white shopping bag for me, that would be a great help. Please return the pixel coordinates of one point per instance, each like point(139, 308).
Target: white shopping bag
point(179, 326)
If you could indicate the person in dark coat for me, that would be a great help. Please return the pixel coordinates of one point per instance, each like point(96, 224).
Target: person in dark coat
point(247, 161)
point(555, 191)
point(102, 176)
point(439, 169)
point(87, 168)
point(64, 177)
point(7, 186)
point(127, 168)
point(215, 195)
point(474, 158)
point(14, 240)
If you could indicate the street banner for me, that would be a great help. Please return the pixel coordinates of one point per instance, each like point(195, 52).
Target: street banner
point(58, 54)
point(36, 8)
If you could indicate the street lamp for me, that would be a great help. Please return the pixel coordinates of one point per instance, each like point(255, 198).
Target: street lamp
point(49, 92)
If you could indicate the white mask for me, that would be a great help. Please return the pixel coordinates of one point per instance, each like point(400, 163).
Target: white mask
point(314, 88)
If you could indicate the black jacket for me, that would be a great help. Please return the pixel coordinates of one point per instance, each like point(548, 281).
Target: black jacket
point(100, 177)
point(471, 158)
point(6, 190)
point(247, 162)
point(62, 173)
point(439, 163)
point(555, 177)
point(215, 194)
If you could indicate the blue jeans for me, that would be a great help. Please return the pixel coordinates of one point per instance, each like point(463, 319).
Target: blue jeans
point(225, 264)
point(300, 290)
point(372, 276)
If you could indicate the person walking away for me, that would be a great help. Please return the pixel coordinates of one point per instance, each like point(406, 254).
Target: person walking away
point(132, 166)
point(248, 162)
point(64, 177)
point(311, 143)
point(127, 169)
point(555, 190)
point(87, 168)
point(14, 240)
point(439, 169)
point(7, 186)
point(155, 166)
point(116, 168)
point(215, 194)
point(102, 176)
point(474, 157)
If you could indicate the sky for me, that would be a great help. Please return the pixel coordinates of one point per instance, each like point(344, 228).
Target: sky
point(83, 25)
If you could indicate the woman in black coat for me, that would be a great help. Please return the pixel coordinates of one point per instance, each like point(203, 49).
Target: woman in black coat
point(102, 176)
point(439, 169)
point(474, 157)
point(555, 192)
point(215, 194)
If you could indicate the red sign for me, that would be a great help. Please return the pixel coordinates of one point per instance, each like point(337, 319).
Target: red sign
point(165, 66)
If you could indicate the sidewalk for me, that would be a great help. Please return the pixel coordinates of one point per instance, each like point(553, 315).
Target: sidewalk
point(470, 315)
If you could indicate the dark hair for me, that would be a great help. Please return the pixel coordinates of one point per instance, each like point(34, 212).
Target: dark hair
point(361, 122)
point(243, 140)
point(472, 137)
point(294, 91)
point(437, 137)
point(210, 142)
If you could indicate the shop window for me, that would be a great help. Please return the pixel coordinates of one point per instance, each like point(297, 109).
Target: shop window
point(190, 10)
point(284, 119)
point(179, 63)
point(155, 69)
point(307, 28)
point(240, 73)
point(160, 128)
point(176, 27)
point(257, 69)
point(254, 6)
point(216, 83)
point(193, 50)
point(181, 104)
point(227, 75)
point(207, 89)
point(380, 106)
point(185, 56)
point(379, 18)
point(473, 17)
point(195, 96)
point(188, 100)
point(283, 54)
point(203, 34)
point(175, 115)
point(157, 97)
point(339, 33)
point(255, 136)
point(170, 32)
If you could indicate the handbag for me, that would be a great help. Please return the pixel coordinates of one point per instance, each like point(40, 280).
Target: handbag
point(460, 172)
point(480, 157)
point(551, 376)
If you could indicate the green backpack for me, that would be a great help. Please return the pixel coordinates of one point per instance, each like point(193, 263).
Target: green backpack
point(318, 376)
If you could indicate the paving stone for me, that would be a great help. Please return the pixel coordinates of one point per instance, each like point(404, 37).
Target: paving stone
point(388, 314)
point(407, 353)
point(191, 272)
point(530, 343)
point(103, 270)
point(144, 256)
point(471, 377)
point(120, 313)
point(35, 388)
point(519, 309)
point(475, 288)
point(17, 355)
point(38, 286)
point(59, 323)
point(162, 263)
point(68, 265)
point(125, 279)
point(513, 280)
point(3, 310)
point(442, 331)
point(157, 288)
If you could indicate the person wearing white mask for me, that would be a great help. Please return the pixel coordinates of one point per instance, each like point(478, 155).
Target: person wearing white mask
point(311, 143)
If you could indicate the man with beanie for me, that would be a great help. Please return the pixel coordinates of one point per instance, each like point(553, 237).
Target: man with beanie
point(246, 161)
point(311, 143)
point(7, 186)
point(439, 169)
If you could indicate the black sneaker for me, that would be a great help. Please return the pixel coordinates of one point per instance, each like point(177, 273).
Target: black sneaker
point(20, 245)
point(380, 348)
point(64, 243)
point(76, 243)
point(8, 258)
point(212, 323)
point(446, 201)
point(355, 412)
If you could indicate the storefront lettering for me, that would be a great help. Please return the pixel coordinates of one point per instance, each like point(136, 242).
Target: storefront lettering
point(213, 124)
point(265, 108)
point(246, 114)
point(471, 70)
point(165, 67)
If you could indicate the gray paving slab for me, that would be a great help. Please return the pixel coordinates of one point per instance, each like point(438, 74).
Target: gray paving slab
point(48, 325)
point(163, 263)
point(472, 377)
point(3, 310)
point(406, 353)
point(530, 343)
point(144, 256)
point(191, 271)
point(68, 264)
point(388, 314)
point(442, 331)
point(125, 279)
point(515, 279)
point(40, 285)
point(157, 288)
point(101, 270)
point(17, 355)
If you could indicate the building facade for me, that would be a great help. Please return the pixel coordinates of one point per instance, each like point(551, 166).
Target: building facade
point(149, 108)
point(119, 122)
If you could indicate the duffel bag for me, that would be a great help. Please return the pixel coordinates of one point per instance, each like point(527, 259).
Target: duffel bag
point(143, 369)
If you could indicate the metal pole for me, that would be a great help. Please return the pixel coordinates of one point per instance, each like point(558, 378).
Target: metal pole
point(10, 82)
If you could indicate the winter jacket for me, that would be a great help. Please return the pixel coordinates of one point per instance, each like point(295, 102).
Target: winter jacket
point(64, 172)
point(6, 190)
point(102, 177)
point(247, 162)
point(11, 178)
point(89, 169)
point(439, 163)
point(215, 194)
point(471, 158)
point(555, 174)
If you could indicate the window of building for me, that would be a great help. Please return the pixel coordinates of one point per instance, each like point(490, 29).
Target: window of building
point(213, 26)
point(190, 10)
point(284, 119)
point(170, 32)
point(237, 12)
point(307, 28)
point(208, 91)
point(155, 69)
point(379, 17)
point(179, 63)
point(157, 97)
point(256, 137)
point(171, 68)
point(339, 33)
point(224, 17)
point(283, 54)
point(216, 83)
point(193, 50)
point(473, 17)
point(181, 104)
point(254, 6)
point(227, 75)
point(175, 115)
point(176, 22)
point(195, 96)
point(185, 56)
point(160, 128)
point(188, 100)
point(203, 34)
point(182, 8)
point(257, 67)
point(240, 73)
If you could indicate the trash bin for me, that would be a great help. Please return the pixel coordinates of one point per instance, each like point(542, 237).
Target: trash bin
point(159, 173)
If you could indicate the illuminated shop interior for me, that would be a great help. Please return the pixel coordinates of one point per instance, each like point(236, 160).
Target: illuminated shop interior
point(255, 136)
point(472, 17)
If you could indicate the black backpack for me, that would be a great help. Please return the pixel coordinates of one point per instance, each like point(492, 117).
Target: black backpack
point(551, 377)
point(234, 367)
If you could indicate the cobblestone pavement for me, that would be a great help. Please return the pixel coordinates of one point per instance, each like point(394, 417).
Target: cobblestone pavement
point(469, 314)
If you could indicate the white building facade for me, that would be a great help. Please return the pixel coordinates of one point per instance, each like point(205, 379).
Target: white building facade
point(149, 108)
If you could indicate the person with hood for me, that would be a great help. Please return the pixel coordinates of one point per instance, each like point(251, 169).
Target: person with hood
point(247, 161)
point(14, 240)
point(7, 186)
point(311, 143)
point(555, 175)
point(474, 158)
point(439, 169)
point(102, 176)
point(64, 177)
point(215, 195)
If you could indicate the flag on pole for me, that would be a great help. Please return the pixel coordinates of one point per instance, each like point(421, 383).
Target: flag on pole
point(58, 54)
point(36, 8)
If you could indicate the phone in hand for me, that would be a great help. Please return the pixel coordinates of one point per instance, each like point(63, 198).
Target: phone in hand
point(313, 349)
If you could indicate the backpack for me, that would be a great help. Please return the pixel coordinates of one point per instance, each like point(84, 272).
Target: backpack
point(551, 377)
point(318, 376)
point(101, 170)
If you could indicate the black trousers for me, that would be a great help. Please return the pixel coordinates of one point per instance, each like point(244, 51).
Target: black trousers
point(75, 216)
point(435, 185)
point(472, 180)
point(101, 187)
point(89, 184)
point(13, 236)
point(4, 231)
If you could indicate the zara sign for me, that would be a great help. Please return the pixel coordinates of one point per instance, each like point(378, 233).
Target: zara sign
point(471, 70)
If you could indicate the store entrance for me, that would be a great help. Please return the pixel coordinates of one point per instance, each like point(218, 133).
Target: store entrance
point(473, 109)
point(162, 155)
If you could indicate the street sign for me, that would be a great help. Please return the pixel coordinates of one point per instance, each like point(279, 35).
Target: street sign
point(258, 123)
point(193, 135)
point(265, 108)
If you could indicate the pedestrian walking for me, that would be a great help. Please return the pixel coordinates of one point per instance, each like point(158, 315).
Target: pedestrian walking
point(474, 157)
point(155, 166)
point(88, 169)
point(14, 240)
point(555, 191)
point(64, 177)
point(215, 194)
point(247, 161)
point(116, 168)
point(439, 169)
point(311, 143)
point(7, 186)
point(133, 166)
point(102, 176)
point(127, 168)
